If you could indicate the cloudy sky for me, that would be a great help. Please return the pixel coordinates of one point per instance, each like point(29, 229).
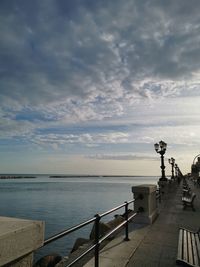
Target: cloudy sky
point(88, 87)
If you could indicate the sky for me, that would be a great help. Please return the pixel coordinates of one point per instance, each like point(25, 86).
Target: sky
point(88, 87)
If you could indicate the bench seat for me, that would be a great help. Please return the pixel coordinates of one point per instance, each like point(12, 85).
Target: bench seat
point(188, 248)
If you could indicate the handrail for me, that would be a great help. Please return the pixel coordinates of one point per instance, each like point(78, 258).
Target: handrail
point(68, 231)
point(112, 210)
point(98, 240)
point(118, 207)
point(116, 228)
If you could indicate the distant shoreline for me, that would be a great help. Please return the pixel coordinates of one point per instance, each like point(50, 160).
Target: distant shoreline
point(88, 176)
point(67, 176)
point(16, 177)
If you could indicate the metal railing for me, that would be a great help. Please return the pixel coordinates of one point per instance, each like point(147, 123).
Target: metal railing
point(98, 239)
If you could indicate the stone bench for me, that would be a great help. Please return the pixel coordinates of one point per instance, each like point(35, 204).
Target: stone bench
point(188, 248)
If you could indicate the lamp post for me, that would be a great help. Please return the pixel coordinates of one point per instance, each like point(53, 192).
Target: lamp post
point(172, 162)
point(161, 149)
point(178, 173)
point(176, 170)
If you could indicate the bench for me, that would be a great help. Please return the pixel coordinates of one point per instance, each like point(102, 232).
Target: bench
point(188, 248)
point(188, 201)
point(186, 192)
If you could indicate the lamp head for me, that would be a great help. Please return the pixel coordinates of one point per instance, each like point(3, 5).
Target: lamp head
point(171, 160)
point(163, 145)
point(156, 146)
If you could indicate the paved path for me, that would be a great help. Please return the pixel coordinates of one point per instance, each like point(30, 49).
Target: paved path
point(154, 245)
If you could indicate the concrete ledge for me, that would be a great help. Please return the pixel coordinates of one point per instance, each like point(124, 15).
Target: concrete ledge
point(19, 238)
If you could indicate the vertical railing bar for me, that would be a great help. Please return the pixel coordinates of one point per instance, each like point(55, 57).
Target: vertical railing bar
point(126, 218)
point(96, 263)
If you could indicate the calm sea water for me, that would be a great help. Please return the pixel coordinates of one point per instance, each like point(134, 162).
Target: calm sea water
point(65, 202)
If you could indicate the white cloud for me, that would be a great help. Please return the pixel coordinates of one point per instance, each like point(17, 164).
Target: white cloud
point(89, 140)
point(132, 65)
point(123, 157)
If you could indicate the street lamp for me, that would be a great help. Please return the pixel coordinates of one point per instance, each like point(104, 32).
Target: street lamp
point(161, 149)
point(172, 162)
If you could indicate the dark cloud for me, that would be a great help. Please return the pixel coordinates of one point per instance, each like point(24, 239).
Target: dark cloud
point(96, 54)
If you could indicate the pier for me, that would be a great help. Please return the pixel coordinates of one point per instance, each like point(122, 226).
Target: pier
point(152, 239)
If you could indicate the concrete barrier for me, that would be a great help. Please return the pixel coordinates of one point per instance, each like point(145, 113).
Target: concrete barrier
point(147, 205)
point(18, 240)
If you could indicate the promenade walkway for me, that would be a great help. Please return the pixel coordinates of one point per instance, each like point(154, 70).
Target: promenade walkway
point(154, 245)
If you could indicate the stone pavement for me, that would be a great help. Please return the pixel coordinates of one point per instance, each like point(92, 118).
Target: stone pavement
point(154, 245)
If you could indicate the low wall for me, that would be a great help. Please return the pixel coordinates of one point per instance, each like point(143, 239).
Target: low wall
point(145, 203)
point(18, 240)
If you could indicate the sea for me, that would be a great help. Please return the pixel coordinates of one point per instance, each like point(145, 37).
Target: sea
point(65, 202)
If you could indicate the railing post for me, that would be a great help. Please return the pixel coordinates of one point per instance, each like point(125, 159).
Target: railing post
point(126, 218)
point(97, 240)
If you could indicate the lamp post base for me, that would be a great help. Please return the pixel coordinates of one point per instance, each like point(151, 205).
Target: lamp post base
point(163, 185)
